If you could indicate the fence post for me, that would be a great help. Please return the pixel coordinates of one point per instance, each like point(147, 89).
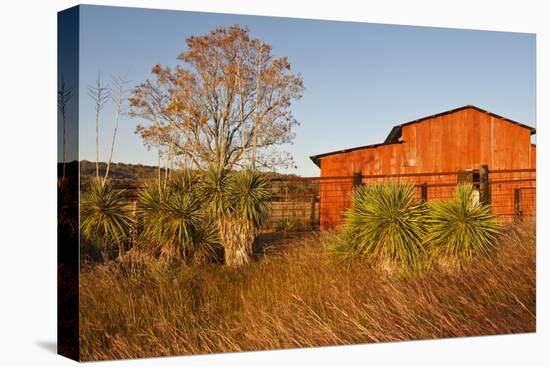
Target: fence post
point(484, 190)
point(424, 192)
point(357, 179)
point(312, 213)
point(517, 205)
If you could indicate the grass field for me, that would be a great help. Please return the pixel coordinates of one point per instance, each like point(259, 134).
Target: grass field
point(297, 297)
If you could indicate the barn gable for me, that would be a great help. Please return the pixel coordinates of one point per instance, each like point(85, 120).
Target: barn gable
point(396, 131)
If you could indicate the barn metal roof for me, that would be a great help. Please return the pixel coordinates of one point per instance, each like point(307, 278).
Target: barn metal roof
point(395, 134)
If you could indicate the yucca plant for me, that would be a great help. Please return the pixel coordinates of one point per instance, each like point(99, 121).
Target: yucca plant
point(251, 197)
point(174, 223)
point(215, 191)
point(105, 219)
point(385, 225)
point(461, 228)
point(240, 203)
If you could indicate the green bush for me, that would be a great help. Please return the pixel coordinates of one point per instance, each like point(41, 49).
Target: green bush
point(385, 225)
point(105, 219)
point(461, 228)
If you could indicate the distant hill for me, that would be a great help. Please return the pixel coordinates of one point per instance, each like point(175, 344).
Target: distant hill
point(119, 173)
point(122, 173)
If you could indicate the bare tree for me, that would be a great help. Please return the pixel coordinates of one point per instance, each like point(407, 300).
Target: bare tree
point(100, 96)
point(119, 98)
point(64, 95)
point(233, 97)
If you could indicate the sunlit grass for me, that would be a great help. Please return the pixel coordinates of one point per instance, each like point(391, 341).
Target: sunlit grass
point(296, 298)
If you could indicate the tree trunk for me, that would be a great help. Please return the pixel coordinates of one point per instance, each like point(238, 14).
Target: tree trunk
point(112, 145)
point(97, 145)
point(237, 239)
point(157, 138)
point(241, 113)
point(255, 127)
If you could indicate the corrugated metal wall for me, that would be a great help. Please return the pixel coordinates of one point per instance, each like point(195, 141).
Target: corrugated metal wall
point(451, 142)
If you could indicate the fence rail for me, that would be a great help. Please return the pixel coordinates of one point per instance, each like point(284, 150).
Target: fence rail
point(304, 204)
point(311, 203)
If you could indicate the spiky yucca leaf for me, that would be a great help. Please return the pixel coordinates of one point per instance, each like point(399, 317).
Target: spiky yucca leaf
point(250, 196)
point(174, 222)
point(385, 224)
point(149, 204)
point(214, 191)
point(105, 218)
point(208, 247)
point(461, 228)
point(183, 180)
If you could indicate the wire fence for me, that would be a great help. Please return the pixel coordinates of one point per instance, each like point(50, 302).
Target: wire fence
point(301, 204)
point(513, 194)
point(309, 204)
point(304, 204)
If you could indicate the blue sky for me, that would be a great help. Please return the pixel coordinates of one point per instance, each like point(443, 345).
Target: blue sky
point(360, 79)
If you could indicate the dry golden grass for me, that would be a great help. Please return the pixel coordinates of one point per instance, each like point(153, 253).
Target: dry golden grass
point(298, 298)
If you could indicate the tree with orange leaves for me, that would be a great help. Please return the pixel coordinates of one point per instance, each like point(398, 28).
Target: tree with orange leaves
point(229, 105)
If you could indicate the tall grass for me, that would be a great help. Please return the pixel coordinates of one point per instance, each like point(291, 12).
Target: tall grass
point(297, 299)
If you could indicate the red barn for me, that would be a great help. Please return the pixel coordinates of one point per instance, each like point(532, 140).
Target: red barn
point(461, 139)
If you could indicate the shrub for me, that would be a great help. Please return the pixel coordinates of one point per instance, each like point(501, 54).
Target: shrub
point(175, 226)
point(105, 219)
point(386, 225)
point(461, 228)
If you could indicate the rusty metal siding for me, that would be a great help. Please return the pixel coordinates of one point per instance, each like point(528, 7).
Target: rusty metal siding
point(455, 141)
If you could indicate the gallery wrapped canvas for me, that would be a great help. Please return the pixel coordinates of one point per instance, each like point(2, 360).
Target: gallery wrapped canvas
point(234, 183)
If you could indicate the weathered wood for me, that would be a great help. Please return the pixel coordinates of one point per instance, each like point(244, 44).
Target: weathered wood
point(312, 223)
point(357, 179)
point(424, 192)
point(465, 177)
point(484, 189)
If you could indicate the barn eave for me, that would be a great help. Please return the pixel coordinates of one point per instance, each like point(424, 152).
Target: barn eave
point(317, 158)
